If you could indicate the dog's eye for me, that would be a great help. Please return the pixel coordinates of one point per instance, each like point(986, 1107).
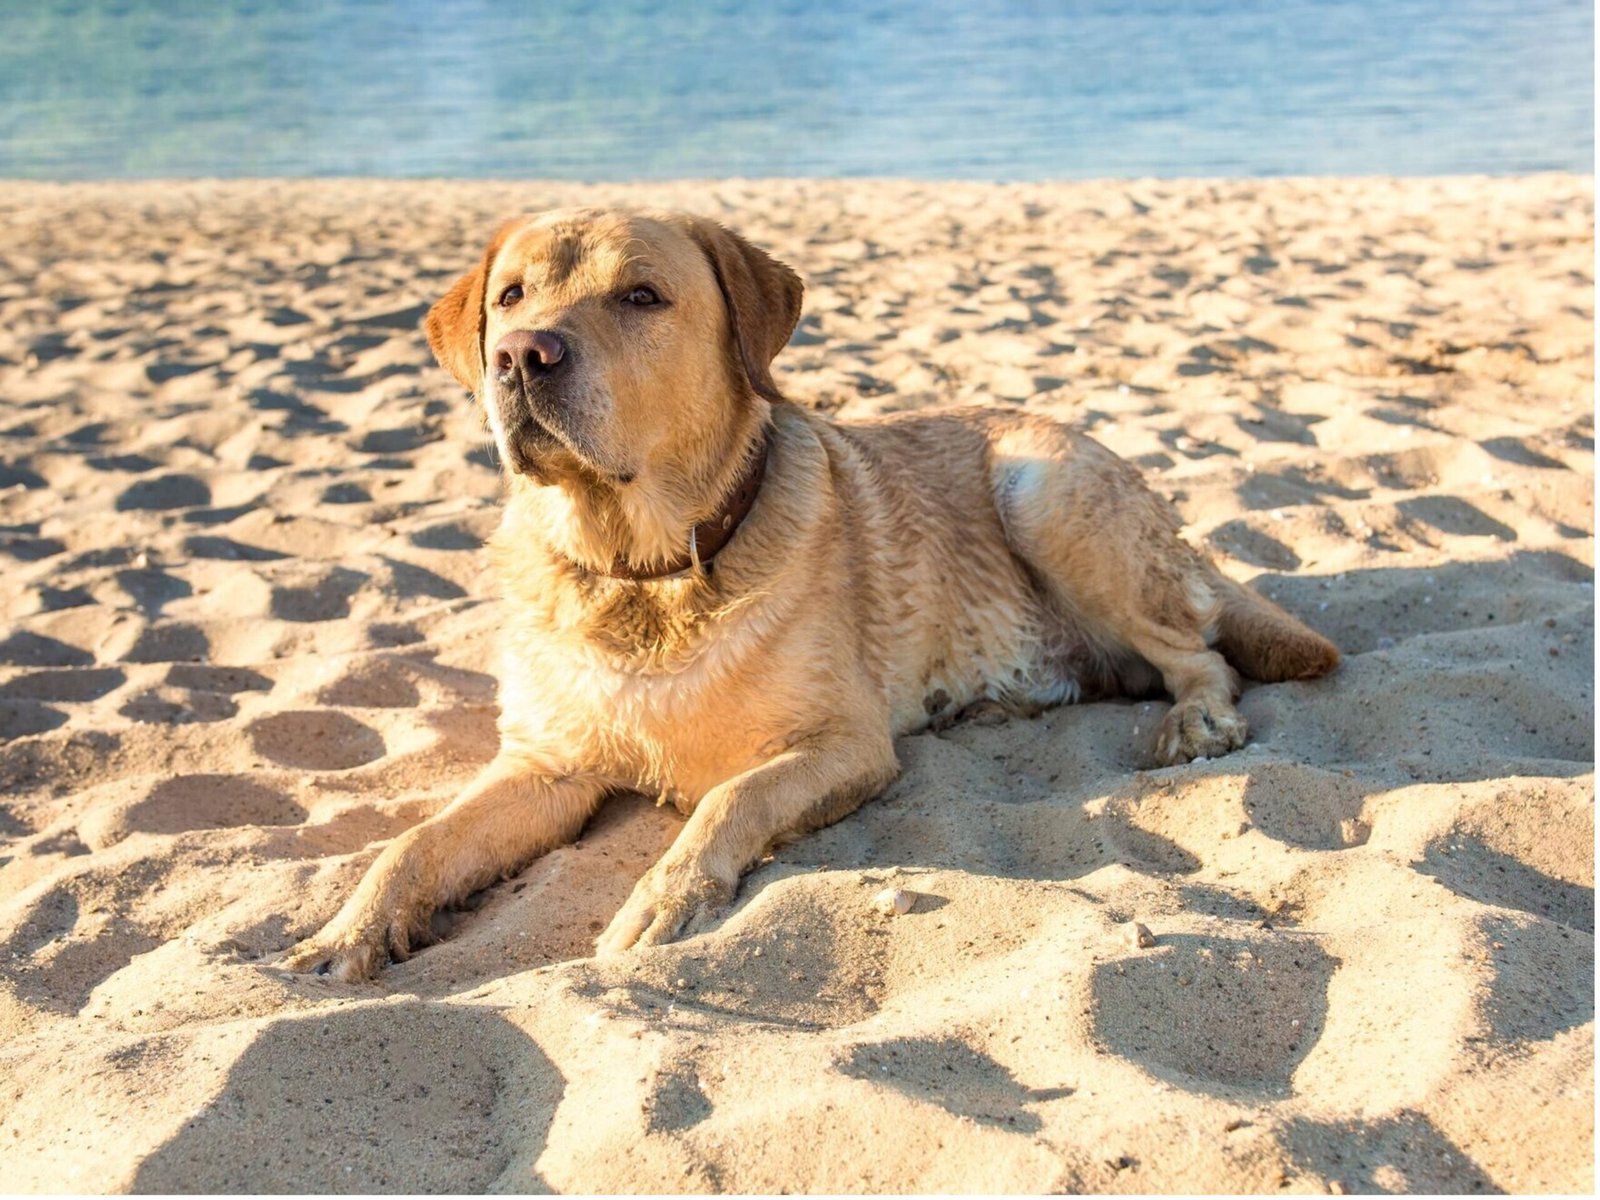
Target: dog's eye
point(510, 296)
point(643, 297)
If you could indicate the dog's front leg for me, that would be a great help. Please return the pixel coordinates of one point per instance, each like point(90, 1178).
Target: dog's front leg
point(514, 811)
point(799, 790)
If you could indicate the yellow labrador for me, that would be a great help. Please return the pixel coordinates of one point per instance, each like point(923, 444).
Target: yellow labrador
point(723, 599)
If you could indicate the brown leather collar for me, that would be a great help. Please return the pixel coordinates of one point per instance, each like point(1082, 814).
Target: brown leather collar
point(711, 535)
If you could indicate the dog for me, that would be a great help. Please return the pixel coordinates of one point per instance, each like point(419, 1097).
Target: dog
point(715, 596)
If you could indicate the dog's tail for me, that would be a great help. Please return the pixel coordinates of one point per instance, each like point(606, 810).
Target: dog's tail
point(1265, 643)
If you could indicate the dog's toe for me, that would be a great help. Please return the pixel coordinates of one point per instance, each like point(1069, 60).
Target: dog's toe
point(1194, 729)
point(645, 924)
point(624, 931)
point(663, 906)
point(349, 955)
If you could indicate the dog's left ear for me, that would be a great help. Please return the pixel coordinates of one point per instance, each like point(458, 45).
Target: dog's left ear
point(455, 324)
point(763, 299)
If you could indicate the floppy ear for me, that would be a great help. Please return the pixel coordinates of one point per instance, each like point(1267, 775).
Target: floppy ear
point(455, 324)
point(763, 299)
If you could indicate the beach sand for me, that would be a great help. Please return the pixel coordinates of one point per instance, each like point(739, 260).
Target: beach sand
point(247, 638)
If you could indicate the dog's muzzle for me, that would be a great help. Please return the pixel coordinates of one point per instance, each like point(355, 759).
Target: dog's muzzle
point(529, 368)
point(528, 356)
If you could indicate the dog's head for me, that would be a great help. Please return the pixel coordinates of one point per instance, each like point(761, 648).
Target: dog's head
point(607, 344)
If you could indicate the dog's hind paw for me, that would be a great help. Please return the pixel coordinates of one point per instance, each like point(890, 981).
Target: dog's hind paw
point(1196, 729)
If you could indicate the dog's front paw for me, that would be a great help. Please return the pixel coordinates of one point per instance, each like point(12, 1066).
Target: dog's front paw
point(351, 960)
point(357, 943)
point(668, 901)
point(1196, 729)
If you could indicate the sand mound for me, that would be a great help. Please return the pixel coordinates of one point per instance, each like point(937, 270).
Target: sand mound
point(247, 641)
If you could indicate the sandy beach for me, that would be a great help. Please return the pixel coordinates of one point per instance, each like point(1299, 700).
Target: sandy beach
point(247, 634)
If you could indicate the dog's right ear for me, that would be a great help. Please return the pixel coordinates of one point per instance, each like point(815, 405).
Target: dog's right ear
point(455, 324)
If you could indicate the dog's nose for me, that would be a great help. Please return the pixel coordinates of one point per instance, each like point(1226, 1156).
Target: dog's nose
point(529, 353)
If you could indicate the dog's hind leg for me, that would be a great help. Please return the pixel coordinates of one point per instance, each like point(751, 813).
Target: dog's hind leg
point(1108, 553)
point(513, 812)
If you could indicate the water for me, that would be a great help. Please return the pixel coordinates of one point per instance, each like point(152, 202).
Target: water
point(986, 89)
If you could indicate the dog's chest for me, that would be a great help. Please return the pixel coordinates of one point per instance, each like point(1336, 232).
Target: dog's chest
point(635, 629)
point(669, 708)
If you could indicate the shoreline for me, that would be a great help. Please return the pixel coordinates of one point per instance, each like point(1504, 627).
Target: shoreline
point(1581, 182)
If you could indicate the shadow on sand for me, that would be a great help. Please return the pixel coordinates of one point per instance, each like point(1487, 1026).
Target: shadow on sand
point(385, 1097)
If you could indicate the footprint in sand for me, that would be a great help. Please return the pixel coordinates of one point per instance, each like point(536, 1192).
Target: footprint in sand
point(950, 1074)
point(410, 580)
point(1543, 981)
point(192, 802)
point(23, 718)
point(376, 683)
point(325, 599)
point(151, 590)
point(397, 441)
point(813, 968)
point(201, 677)
point(1451, 515)
point(174, 706)
point(393, 633)
point(409, 1097)
point(677, 1103)
point(26, 546)
point(207, 546)
point(1215, 1012)
point(71, 761)
point(24, 649)
point(14, 476)
point(163, 493)
point(67, 686)
point(1517, 450)
point(177, 642)
point(1469, 867)
point(1402, 1154)
point(346, 493)
point(1305, 806)
point(451, 535)
point(1239, 540)
point(74, 935)
point(52, 599)
point(316, 741)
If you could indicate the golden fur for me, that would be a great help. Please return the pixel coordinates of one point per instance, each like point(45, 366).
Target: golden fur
point(892, 574)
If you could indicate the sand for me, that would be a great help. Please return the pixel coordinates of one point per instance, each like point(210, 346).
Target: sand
point(247, 639)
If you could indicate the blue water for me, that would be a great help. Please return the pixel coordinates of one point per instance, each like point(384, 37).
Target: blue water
point(987, 89)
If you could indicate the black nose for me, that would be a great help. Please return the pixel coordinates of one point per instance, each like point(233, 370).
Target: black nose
point(529, 353)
